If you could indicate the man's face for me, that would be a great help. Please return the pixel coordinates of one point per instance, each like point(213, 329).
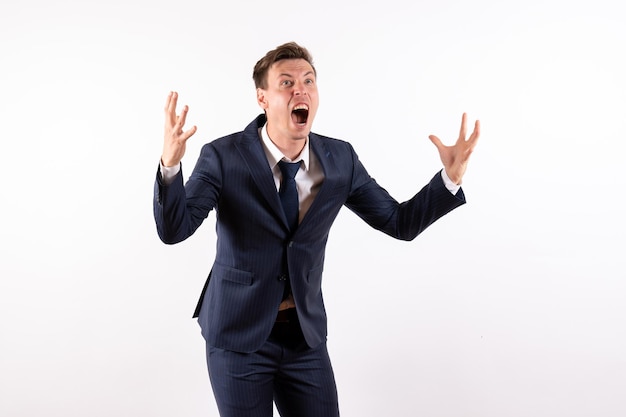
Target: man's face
point(290, 100)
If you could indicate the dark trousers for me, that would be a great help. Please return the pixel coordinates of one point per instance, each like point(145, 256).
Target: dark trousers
point(285, 370)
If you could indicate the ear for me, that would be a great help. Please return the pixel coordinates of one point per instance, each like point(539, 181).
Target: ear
point(261, 99)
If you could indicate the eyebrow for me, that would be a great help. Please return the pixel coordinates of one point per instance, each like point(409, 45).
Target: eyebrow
point(285, 74)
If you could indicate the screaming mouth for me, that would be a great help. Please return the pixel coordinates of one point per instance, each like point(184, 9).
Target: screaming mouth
point(300, 114)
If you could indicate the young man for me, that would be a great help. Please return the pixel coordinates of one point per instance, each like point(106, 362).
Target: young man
point(261, 311)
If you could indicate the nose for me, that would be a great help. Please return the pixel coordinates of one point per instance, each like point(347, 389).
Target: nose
point(299, 89)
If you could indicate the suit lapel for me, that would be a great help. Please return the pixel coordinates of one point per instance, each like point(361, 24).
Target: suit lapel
point(251, 150)
point(327, 162)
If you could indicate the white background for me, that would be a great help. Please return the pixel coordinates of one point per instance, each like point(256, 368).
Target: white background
point(512, 305)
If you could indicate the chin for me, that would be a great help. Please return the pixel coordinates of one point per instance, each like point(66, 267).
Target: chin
point(301, 130)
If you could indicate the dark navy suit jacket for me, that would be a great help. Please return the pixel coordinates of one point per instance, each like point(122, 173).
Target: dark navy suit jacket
point(240, 300)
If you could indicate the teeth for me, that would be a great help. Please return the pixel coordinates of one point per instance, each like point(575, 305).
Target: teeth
point(301, 107)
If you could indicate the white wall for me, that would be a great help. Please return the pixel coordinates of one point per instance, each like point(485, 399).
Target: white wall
point(512, 305)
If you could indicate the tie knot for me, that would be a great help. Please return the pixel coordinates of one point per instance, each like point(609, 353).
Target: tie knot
point(288, 169)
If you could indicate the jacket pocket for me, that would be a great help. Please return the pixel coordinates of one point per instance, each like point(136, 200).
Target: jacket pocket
point(315, 275)
point(233, 275)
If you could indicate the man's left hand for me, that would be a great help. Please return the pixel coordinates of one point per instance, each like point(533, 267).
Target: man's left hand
point(456, 157)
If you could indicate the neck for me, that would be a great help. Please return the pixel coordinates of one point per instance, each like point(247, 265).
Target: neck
point(289, 147)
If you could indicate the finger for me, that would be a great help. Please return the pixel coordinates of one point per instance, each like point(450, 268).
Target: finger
point(186, 135)
point(463, 131)
point(167, 101)
point(182, 118)
point(476, 133)
point(436, 141)
point(470, 144)
point(170, 108)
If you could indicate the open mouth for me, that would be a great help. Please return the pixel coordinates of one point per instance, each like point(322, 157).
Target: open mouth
point(300, 114)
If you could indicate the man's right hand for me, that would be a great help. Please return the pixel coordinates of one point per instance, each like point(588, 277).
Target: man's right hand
point(175, 138)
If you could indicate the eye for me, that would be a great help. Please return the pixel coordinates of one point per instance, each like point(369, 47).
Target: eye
point(286, 83)
point(309, 81)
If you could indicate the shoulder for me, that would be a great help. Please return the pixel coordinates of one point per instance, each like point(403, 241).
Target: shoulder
point(325, 146)
point(329, 142)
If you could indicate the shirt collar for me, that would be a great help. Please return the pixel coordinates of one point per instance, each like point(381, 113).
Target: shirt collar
point(274, 154)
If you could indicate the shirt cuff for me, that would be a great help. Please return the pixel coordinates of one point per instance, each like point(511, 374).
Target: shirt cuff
point(452, 187)
point(168, 173)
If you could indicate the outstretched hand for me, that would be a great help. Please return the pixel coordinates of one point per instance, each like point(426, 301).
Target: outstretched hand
point(175, 139)
point(456, 157)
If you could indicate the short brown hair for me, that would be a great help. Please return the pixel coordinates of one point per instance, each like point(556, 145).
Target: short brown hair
point(290, 50)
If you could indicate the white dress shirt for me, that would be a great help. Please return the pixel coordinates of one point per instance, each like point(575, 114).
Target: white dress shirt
point(309, 177)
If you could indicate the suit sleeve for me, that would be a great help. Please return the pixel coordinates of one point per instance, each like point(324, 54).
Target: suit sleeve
point(405, 220)
point(180, 209)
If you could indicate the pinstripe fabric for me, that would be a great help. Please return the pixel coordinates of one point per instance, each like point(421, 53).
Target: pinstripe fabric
point(239, 302)
point(300, 380)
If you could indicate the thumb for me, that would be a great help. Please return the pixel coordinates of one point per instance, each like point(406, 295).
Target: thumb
point(436, 141)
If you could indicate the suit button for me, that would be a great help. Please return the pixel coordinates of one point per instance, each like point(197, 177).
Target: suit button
point(282, 277)
point(291, 244)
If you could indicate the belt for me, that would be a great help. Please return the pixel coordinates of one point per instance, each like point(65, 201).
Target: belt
point(285, 316)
